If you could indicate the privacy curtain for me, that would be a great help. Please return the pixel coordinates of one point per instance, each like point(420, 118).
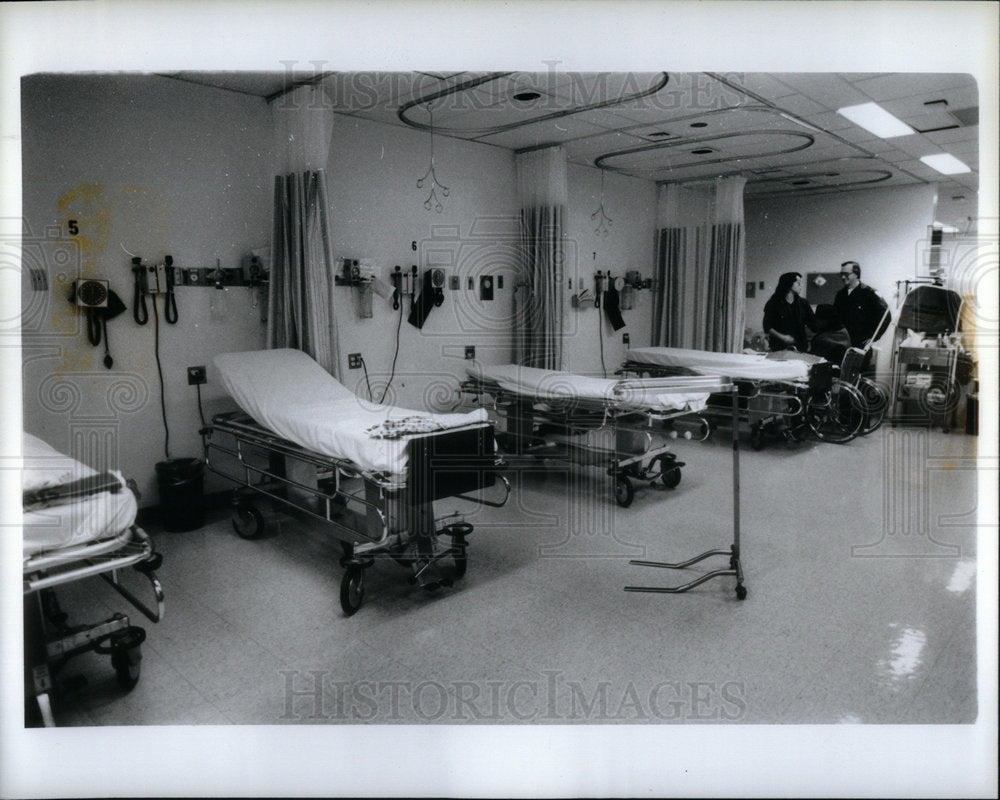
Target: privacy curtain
point(699, 272)
point(300, 302)
point(538, 313)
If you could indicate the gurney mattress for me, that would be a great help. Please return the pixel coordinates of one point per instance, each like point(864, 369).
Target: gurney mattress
point(556, 385)
point(738, 366)
point(99, 516)
point(291, 395)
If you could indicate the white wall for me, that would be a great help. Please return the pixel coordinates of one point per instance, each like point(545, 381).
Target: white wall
point(377, 213)
point(629, 245)
point(884, 230)
point(156, 167)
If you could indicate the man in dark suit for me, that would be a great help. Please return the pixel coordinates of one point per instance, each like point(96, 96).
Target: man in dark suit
point(860, 308)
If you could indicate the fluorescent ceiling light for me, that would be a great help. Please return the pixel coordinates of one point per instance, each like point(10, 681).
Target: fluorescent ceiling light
point(875, 119)
point(945, 163)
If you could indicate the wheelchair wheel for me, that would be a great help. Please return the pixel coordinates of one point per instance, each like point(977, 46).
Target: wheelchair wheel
point(836, 415)
point(877, 401)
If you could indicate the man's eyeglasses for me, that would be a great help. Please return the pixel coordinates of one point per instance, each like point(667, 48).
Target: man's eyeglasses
point(846, 276)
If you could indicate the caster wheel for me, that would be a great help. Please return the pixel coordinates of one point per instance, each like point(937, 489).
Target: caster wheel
point(460, 561)
point(352, 590)
point(624, 493)
point(671, 478)
point(127, 663)
point(248, 522)
point(757, 437)
point(741, 592)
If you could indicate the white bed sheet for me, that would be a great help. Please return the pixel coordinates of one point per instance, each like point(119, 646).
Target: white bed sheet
point(291, 395)
point(100, 516)
point(556, 385)
point(747, 366)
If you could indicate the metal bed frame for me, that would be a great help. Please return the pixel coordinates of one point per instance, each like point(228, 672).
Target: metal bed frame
point(530, 422)
point(830, 409)
point(50, 640)
point(374, 516)
point(540, 427)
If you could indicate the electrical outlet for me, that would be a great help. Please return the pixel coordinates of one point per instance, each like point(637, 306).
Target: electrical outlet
point(196, 375)
point(470, 351)
point(354, 361)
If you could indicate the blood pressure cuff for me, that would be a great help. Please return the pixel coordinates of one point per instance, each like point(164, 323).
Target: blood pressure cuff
point(429, 297)
point(611, 310)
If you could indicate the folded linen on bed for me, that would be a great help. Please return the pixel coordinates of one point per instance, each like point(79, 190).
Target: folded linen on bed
point(98, 516)
point(749, 366)
point(556, 385)
point(288, 393)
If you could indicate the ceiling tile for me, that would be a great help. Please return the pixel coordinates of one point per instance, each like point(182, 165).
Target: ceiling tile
point(828, 90)
point(896, 85)
point(766, 85)
point(540, 133)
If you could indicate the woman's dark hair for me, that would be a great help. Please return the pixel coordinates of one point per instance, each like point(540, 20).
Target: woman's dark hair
point(785, 283)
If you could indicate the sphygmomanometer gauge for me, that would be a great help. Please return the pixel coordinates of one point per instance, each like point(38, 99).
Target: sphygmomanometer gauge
point(91, 293)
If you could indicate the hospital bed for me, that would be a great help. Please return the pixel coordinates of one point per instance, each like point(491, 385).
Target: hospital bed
point(783, 394)
point(623, 426)
point(370, 473)
point(555, 414)
point(78, 524)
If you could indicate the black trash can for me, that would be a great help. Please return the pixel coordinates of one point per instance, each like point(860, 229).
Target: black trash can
point(181, 485)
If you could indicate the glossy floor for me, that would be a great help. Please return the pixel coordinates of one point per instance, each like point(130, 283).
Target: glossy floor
point(859, 560)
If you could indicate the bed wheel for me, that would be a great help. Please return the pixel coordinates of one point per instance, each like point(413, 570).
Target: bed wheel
point(757, 437)
point(127, 662)
point(670, 476)
point(352, 590)
point(126, 655)
point(624, 493)
point(741, 592)
point(460, 560)
point(248, 522)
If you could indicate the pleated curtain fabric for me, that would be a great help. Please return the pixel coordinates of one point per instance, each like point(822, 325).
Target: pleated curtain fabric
point(300, 303)
point(727, 267)
point(699, 272)
point(539, 298)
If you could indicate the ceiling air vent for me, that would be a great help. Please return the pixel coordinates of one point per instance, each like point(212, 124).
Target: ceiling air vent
point(701, 151)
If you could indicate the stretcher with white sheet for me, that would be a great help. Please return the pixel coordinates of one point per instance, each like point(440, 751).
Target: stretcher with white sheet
point(369, 472)
point(783, 395)
point(78, 524)
point(623, 426)
point(554, 414)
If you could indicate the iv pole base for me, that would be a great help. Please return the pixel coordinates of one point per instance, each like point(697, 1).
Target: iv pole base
point(735, 569)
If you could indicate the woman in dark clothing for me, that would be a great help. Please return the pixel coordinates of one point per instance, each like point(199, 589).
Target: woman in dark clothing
point(786, 315)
